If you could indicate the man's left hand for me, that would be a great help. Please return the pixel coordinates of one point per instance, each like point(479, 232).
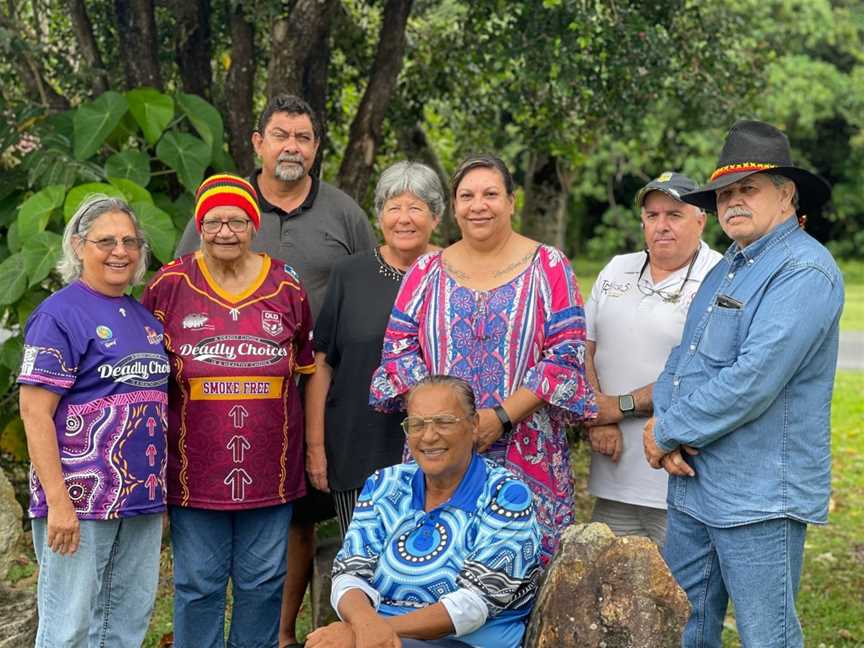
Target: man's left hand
point(653, 454)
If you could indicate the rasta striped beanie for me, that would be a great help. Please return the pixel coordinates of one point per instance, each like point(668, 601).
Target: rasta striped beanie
point(224, 189)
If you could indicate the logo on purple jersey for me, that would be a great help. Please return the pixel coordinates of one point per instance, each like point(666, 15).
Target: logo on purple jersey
point(271, 323)
point(138, 369)
point(152, 336)
point(104, 332)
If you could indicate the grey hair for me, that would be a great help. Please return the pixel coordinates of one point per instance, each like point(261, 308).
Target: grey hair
point(94, 206)
point(413, 177)
point(461, 388)
point(780, 180)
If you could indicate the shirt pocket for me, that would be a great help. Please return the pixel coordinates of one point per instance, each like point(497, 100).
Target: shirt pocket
point(721, 339)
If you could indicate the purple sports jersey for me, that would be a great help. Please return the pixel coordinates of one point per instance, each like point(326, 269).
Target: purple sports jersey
point(105, 358)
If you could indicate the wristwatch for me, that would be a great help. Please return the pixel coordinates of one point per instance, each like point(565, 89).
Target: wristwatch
point(627, 405)
point(506, 423)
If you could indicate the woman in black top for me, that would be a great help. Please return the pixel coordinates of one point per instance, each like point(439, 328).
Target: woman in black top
point(346, 440)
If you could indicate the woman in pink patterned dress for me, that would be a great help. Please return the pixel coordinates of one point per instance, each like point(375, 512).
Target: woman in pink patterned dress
point(504, 313)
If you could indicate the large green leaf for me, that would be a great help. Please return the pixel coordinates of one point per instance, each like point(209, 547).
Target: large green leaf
point(187, 155)
point(132, 191)
point(28, 303)
point(93, 122)
point(158, 229)
point(41, 254)
point(12, 238)
point(10, 353)
point(35, 212)
point(152, 110)
point(131, 165)
point(205, 118)
point(78, 194)
point(13, 279)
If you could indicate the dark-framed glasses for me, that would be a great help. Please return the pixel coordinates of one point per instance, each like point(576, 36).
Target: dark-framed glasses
point(666, 295)
point(444, 424)
point(107, 244)
point(214, 226)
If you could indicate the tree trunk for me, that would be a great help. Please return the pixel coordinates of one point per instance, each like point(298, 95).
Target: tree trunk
point(136, 27)
point(239, 85)
point(192, 42)
point(87, 43)
point(365, 131)
point(293, 38)
point(315, 92)
point(416, 146)
point(547, 187)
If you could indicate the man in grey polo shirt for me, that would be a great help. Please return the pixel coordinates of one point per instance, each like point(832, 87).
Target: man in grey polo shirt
point(310, 225)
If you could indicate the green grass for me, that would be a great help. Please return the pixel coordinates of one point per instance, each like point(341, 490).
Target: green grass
point(831, 601)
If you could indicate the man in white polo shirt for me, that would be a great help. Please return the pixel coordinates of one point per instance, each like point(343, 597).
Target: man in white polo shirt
point(635, 317)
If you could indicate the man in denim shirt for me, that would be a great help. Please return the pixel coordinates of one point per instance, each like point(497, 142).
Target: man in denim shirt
point(743, 406)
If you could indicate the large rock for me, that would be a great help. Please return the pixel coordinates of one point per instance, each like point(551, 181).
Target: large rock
point(604, 591)
point(18, 619)
point(10, 525)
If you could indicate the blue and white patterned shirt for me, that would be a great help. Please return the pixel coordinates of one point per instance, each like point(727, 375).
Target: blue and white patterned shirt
point(478, 553)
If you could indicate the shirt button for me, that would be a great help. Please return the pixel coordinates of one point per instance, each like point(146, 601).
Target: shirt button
point(692, 347)
point(750, 262)
point(710, 308)
point(731, 275)
point(675, 382)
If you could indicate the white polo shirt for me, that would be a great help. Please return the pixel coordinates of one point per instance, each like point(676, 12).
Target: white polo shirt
point(634, 334)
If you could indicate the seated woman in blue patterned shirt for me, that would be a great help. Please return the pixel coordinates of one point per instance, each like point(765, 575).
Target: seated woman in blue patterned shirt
point(441, 552)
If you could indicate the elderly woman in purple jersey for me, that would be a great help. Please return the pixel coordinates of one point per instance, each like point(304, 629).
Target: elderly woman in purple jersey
point(93, 397)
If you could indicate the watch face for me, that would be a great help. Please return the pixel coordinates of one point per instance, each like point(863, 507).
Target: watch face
point(626, 404)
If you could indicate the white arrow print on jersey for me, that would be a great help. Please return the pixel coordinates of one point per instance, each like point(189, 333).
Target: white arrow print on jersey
point(239, 414)
point(238, 446)
point(238, 479)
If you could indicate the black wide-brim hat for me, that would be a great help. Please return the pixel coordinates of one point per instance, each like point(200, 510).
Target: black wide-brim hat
point(756, 147)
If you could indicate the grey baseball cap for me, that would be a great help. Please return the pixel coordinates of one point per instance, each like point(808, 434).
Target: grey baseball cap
point(673, 184)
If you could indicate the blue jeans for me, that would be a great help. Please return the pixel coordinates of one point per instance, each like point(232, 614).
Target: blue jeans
point(758, 565)
point(102, 595)
point(211, 546)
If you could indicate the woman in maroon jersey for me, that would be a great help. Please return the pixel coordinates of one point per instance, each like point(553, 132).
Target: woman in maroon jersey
point(237, 330)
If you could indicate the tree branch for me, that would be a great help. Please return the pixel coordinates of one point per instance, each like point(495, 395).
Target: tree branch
point(87, 44)
point(293, 39)
point(365, 133)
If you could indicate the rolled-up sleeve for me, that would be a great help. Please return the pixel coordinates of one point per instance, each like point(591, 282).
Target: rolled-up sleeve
point(467, 610)
point(559, 376)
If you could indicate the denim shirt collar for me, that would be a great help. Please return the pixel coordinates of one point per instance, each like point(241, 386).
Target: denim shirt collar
point(467, 493)
point(760, 245)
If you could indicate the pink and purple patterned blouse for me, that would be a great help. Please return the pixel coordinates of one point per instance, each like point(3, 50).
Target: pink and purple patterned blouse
point(528, 332)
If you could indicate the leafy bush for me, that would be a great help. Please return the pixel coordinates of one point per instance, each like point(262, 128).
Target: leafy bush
point(144, 146)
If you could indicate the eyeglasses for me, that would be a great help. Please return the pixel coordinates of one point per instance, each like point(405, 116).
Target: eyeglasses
point(108, 244)
point(445, 424)
point(666, 295)
point(236, 225)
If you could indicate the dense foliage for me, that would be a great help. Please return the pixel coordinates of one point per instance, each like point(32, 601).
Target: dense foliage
point(586, 99)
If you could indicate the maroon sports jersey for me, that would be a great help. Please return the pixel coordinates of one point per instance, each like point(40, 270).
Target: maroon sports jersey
point(235, 421)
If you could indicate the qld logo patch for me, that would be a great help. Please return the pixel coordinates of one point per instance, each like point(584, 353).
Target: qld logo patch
point(104, 332)
point(152, 336)
point(271, 322)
